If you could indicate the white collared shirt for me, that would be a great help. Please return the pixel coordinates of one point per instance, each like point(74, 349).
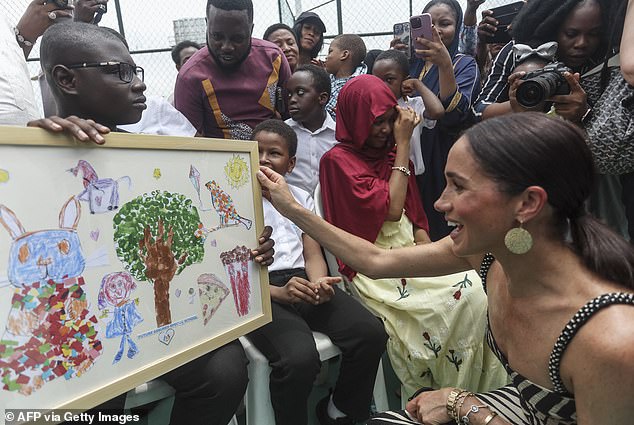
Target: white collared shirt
point(162, 118)
point(17, 99)
point(415, 150)
point(311, 146)
point(289, 246)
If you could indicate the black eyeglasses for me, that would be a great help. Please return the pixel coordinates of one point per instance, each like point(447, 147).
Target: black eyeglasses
point(126, 70)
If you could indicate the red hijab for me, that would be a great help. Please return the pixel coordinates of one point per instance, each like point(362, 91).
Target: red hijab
point(354, 178)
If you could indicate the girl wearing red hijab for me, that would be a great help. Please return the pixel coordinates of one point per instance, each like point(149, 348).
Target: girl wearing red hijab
point(436, 325)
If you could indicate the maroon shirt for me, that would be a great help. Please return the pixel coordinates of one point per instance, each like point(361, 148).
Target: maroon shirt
point(228, 105)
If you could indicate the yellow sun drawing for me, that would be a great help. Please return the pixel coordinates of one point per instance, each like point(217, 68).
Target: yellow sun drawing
point(4, 176)
point(237, 171)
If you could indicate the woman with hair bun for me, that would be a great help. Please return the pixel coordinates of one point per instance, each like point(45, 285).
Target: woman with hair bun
point(560, 284)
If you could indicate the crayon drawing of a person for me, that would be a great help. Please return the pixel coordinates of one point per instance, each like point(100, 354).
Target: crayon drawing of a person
point(115, 291)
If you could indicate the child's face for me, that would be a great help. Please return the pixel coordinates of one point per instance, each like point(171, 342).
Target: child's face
point(333, 60)
point(100, 92)
point(273, 150)
point(304, 101)
point(389, 71)
point(381, 130)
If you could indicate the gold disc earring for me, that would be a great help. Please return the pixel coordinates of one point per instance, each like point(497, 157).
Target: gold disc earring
point(518, 240)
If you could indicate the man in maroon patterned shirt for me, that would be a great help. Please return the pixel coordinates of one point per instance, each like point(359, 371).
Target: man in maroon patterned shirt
point(230, 87)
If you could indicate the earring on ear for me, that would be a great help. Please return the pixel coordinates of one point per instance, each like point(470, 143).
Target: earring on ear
point(518, 240)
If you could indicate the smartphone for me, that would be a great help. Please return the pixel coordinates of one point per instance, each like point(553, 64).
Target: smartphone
point(280, 102)
point(504, 15)
point(420, 26)
point(401, 31)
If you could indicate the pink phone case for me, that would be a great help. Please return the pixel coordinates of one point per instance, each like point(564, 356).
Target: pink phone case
point(420, 26)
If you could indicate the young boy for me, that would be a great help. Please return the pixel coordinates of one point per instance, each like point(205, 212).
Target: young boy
point(392, 67)
point(304, 299)
point(309, 90)
point(344, 61)
point(93, 76)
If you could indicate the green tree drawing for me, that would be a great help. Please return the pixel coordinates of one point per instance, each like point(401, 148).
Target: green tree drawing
point(155, 239)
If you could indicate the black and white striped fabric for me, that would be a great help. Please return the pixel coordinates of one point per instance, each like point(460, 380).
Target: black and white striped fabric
point(522, 402)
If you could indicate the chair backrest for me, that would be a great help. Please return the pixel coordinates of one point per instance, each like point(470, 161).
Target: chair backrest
point(331, 260)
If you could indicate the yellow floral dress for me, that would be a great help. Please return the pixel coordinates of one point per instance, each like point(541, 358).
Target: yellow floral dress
point(436, 325)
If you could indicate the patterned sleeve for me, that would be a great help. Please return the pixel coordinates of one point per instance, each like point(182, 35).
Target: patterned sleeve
point(495, 88)
point(468, 40)
point(458, 105)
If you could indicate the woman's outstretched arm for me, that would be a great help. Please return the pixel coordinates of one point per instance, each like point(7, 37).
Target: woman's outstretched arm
point(434, 259)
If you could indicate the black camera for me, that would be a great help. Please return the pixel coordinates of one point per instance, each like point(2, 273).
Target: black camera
point(543, 83)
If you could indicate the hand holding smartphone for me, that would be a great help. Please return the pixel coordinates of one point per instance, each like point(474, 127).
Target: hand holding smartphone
point(401, 31)
point(420, 26)
point(504, 15)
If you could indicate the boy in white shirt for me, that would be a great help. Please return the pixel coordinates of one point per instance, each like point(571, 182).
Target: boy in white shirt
point(309, 91)
point(304, 299)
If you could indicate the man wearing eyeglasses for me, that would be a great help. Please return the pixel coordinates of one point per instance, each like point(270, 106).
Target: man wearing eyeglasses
point(228, 88)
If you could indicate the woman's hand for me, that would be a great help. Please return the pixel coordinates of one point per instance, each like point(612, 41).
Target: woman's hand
point(515, 80)
point(397, 44)
point(487, 26)
point(275, 189)
point(81, 129)
point(263, 254)
point(434, 51)
point(430, 407)
point(404, 125)
point(571, 106)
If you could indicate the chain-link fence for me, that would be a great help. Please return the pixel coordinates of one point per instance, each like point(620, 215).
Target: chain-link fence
point(153, 27)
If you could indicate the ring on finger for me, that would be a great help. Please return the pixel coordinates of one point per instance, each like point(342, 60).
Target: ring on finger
point(52, 15)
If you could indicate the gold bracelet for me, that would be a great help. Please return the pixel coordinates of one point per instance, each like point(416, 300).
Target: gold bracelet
point(489, 418)
point(459, 402)
point(403, 170)
point(451, 401)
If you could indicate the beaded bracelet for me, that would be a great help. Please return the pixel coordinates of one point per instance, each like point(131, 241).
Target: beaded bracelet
point(21, 38)
point(403, 170)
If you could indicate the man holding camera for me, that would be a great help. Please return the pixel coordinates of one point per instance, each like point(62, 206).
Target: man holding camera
point(228, 88)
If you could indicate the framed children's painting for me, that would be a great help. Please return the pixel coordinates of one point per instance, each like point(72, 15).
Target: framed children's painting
point(121, 262)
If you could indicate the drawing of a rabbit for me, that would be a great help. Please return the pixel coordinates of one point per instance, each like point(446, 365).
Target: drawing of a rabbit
point(50, 331)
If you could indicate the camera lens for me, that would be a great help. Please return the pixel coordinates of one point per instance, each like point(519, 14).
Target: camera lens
point(530, 94)
point(416, 23)
point(535, 90)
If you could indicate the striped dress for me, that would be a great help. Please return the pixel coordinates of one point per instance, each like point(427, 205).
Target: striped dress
point(523, 402)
